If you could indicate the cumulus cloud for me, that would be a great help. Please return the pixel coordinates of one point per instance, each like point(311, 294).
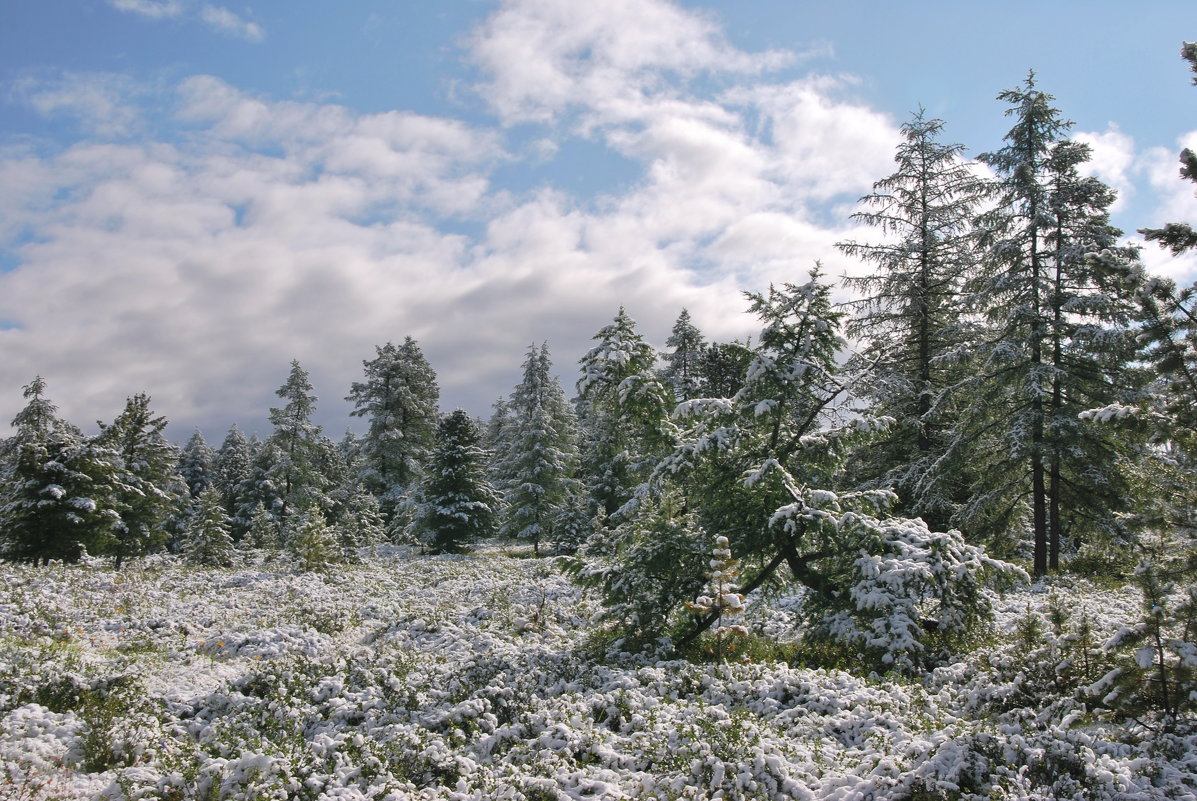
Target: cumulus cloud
point(1112, 160)
point(196, 264)
point(103, 104)
point(217, 18)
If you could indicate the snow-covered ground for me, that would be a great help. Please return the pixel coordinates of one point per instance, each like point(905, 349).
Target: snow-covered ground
point(480, 677)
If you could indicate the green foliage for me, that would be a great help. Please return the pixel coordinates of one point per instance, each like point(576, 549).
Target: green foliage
point(457, 504)
point(207, 539)
point(314, 543)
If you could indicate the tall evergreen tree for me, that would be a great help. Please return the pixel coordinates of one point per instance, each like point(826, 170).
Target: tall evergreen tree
point(398, 398)
point(296, 442)
point(683, 368)
point(149, 489)
point(457, 503)
point(1049, 320)
point(536, 453)
point(911, 316)
point(623, 410)
point(230, 475)
point(58, 497)
point(197, 464)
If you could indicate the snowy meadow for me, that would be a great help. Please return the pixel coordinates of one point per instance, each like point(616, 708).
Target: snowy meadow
point(484, 676)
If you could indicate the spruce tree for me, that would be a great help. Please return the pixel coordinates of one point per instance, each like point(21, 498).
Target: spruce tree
point(297, 445)
point(683, 362)
point(457, 504)
point(230, 473)
point(398, 398)
point(207, 539)
point(149, 489)
point(1057, 340)
point(911, 318)
point(58, 499)
point(536, 453)
point(197, 464)
point(314, 543)
point(623, 410)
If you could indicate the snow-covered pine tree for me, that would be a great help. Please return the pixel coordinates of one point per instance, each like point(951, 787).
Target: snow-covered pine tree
point(683, 360)
point(910, 315)
point(296, 443)
point(536, 454)
point(399, 399)
point(457, 503)
point(623, 412)
point(206, 539)
point(762, 469)
point(230, 474)
point(262, 533)
point(58, 495)
point(149, 489)
point(1057, 337)
point(722, 368)
point(197, 464)
point(361, 523)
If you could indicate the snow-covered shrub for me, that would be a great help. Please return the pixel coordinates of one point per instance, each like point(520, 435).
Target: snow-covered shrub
point(1158, 671)
point(906, 595)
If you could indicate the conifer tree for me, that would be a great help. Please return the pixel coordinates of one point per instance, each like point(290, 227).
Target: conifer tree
point(1057, 340)
point(197, 464)
point(262, 532)
point(207, 540)
point(230, 475)
point(911, 317)
point(58, 497)
point(683, 368)
point(457, 503)
point(623, 411)
point(398, 398)
point(536, 453)
point(149, 489)
point(314, 543)
point(296, 443)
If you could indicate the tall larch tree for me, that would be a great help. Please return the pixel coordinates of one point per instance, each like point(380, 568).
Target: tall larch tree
point(399, 398)
point(910, 318)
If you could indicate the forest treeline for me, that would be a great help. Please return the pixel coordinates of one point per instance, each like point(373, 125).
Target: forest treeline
point(1019, 389)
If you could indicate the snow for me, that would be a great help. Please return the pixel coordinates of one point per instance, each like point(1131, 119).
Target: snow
point(475, 677)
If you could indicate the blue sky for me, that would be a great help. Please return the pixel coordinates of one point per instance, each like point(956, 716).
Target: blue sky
point(193, 194)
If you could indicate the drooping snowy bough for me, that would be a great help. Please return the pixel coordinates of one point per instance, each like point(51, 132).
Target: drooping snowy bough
point(756, 468)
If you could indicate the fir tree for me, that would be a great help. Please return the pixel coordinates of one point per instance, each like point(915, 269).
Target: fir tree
point(457, 504)
point(911, 315)
point(262, 533)
point(149, 489)
point(536, 453)
point(683, 368)
point(57, 499)
point(207, 535)
point(197, 464)
point(398, 398)
point(623, 411)
point(297, 445)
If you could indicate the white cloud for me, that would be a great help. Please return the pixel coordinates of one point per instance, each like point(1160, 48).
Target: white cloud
point(226, 21)
point(104, 104)
point(218, 18)
point(1113, 161)
point(196, 270)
